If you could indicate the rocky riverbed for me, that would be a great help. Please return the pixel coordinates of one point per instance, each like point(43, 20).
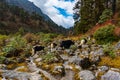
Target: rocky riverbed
point(79, 62)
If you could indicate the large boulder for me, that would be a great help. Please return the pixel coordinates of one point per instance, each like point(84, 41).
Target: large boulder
point(86, 75)
point(111, 75)
point(21, 75)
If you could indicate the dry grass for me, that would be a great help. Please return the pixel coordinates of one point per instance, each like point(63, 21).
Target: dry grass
point(110, 62)
point(50, 67)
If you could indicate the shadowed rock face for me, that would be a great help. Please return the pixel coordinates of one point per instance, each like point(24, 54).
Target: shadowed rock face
point(66, 44)
point(85, 63)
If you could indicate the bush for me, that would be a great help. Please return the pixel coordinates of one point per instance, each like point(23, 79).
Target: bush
point(17, 44)
point(109, 50)
point(2, 59)
point(47, 37)
point(106, 15)
point(21, 31)
point(48, 58)
point(30, 37)
point(2, 40)
point(105, 34)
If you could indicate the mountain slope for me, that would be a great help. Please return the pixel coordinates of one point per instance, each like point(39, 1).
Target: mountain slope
point(12, 18)
point(28, 6)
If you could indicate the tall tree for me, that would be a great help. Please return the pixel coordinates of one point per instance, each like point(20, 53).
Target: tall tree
point(87, 13)
point(114, 6)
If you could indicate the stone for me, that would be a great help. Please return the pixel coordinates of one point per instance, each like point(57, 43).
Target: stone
point(117, 46)
point(86, 75)
point(68, 51)
point(85, 46)
point(103, 68)
point(59, 69)
point(38, 59)
point(75, 60)
point(18, 68)
point(64, 57)
point(20, 60)
point(85, 52)
point(111, 75)
point(99, 52)
point(2, 66)
point(77, 52)
point(21, 75)
point(115, 69)
point(68, 67)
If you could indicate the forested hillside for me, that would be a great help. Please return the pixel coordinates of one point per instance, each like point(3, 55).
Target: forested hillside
point(29, 7)
point(88, 13)
point(13, 18)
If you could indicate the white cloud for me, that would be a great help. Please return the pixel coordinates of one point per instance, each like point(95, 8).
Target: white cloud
point(47, 6)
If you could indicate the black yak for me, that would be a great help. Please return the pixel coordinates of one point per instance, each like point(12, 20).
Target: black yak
point(37, 48)
point(66, 44)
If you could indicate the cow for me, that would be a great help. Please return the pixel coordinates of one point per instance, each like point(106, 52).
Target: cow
point(37, 48)
point(66, 44)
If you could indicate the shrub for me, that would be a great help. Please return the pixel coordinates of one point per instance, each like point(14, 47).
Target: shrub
point(2, 40)
point(48, 58)
point(47, 37)
point(30, 37)
point(21, 31)
point(27, 51)
point(106, 15)
point(2, 58)
point(109, 50)
point(17, 44)
point(105, 34)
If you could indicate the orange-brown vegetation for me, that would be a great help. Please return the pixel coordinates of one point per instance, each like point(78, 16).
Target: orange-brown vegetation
point(110, 62)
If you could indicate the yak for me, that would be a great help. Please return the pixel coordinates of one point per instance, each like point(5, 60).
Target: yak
point(66, 44)
point(37, 48)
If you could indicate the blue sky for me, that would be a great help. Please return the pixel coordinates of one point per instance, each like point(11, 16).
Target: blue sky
point(60, 11)
point(63, 12)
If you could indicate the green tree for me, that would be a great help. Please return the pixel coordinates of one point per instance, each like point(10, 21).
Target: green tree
point(87, 13)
